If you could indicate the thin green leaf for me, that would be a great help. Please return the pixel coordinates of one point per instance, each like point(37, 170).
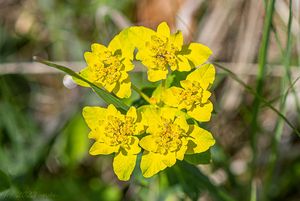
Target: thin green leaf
point(104, 95)
point(260, 79)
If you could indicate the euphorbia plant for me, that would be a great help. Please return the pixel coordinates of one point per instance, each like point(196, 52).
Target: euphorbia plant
point(164, 130)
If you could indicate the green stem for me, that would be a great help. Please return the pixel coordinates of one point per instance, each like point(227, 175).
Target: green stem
point(145, 97)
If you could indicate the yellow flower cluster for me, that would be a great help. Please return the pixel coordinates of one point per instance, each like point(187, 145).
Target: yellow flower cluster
point(159, 132)
point(108, 66)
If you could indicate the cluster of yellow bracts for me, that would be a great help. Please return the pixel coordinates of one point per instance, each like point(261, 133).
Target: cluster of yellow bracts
point(159, 130)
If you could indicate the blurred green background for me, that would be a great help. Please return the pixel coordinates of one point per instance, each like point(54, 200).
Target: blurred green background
point(43, 138)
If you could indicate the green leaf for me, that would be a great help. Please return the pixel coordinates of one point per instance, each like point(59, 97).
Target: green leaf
point(104, 95)
point(193, 182)
point(196, 159)
point(4, 181)
point(109, 99)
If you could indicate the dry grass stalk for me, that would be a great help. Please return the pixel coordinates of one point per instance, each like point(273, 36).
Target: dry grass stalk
point(245, 51)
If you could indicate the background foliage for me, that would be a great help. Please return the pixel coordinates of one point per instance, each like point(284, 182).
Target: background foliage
point(43, 138)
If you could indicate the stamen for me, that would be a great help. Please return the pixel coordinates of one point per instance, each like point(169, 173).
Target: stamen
point(119, 130)
point(169, 137)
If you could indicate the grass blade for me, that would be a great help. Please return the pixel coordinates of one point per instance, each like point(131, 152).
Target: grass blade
point(273, 158)
point(262, 60)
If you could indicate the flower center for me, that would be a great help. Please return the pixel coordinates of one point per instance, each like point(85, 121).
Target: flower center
point(107, 70)
point(119, 130)
point(163, 52)
point(168, 137)
point(191, 95)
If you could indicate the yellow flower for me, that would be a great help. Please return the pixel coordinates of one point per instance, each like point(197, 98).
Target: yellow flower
point(115, 133)
point(161, 50)
point(193, 96)
point(170, 138)
point(108, 66)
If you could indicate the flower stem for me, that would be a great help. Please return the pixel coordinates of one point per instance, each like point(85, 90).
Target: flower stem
point(145, 97)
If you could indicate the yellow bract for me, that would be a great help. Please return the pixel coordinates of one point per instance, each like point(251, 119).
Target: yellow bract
point(169, 138)
point(193, 96)
point(108, 66)
point(115, 133)
point(161, 50)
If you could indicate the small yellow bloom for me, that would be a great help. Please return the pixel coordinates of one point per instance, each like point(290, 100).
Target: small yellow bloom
point(115, 133)
point(193, 96)
point(160, 50)
point(170, 138)
point(108, 66)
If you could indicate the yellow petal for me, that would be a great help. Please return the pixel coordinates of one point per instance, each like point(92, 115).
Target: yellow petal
point(110, 87)
point(90, 58)
point(146, 59)
point(168, 113)
point(134, 147)
point(171, 96)
point(132, 113)
point(85, 73)
point(139, 128)
point(156, 75)
point(97, 134)
point(112, 110)
point(205, 96)
point(123, 165)
point(152, 163)
point(186, 84)
point(139, 124)
point(180, 153)
point(124, 76)
point(122, 42)
point(200, 140)
point(128, 65)
point(201, 113)
point(198, 53)
point(102, 148)
point(169, 159)
point(163, 29)
point(177, 39)
point(98, 48)
point(139, 35)
point(205, 75)
point(123, 89)
point(150, 117)
point(92, 116)
point(149, 143)
point(181, 122)
point(140, 55)
point(183, 63)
